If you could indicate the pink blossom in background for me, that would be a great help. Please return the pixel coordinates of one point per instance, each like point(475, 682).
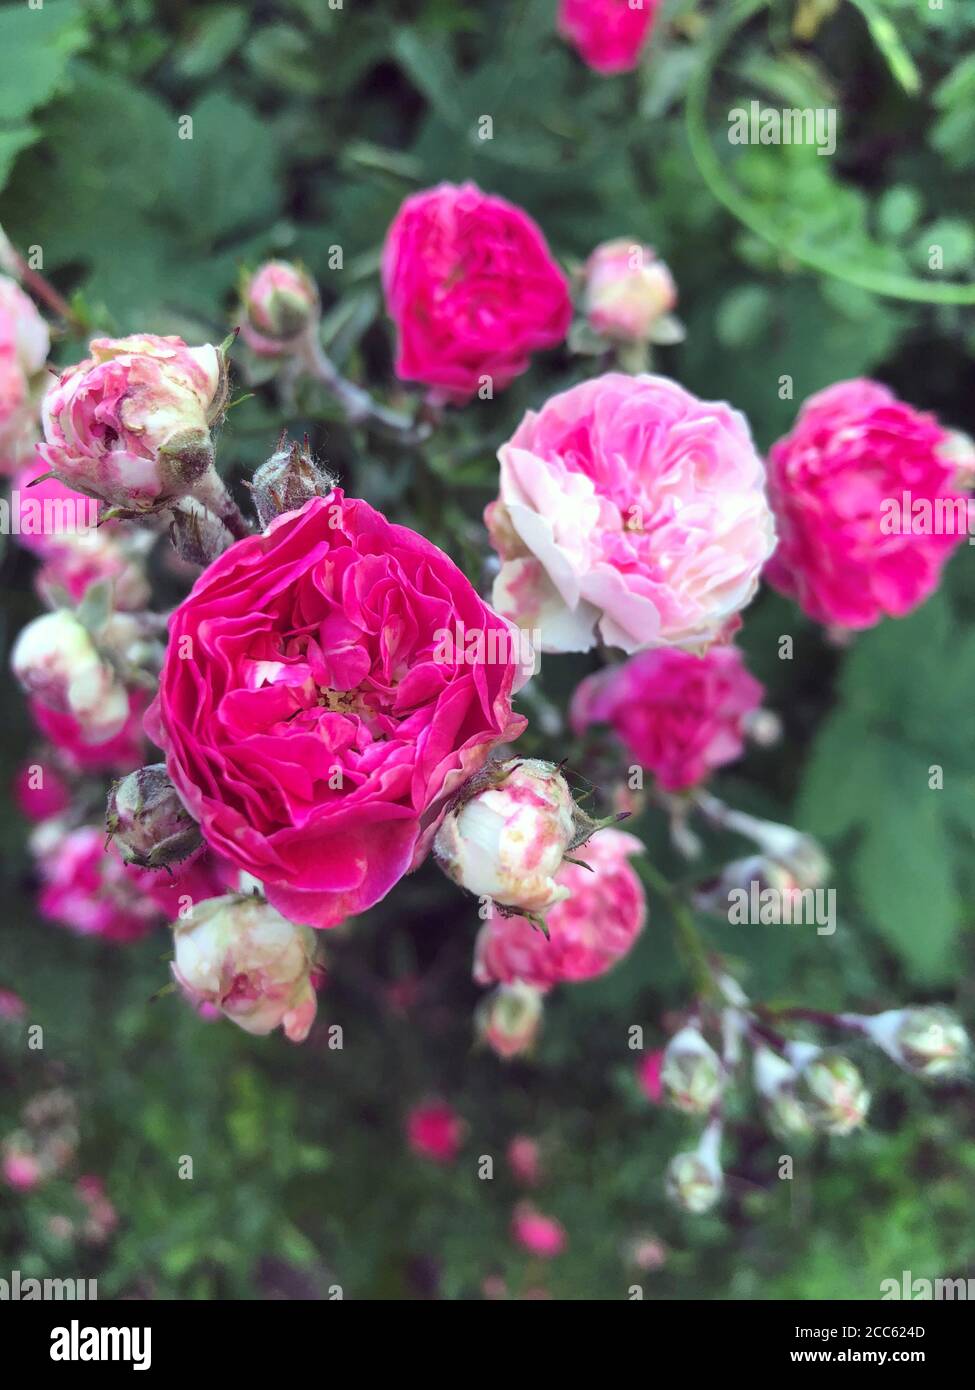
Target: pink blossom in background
point(854, 447)
point(628, 290)
point(472, 288)
point(195, 880)
point(649, 1075)
point(631, 513)
point(21, 1170)
point(318, 733)
point(24, 345)
point(87, 888)
point(12, 1007)
point(119, 754)
point(435, 1131)
point(40, 791)
point(608, 34)
point(589, 931)
point(131, 424)
point(680, 716)
point(525, 1160)
point(538, 1234)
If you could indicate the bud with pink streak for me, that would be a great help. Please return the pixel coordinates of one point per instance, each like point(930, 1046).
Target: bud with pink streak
point(131, 424)
point(630, 513)
point(24, 345)
point(56, 660)
point(628, 292)
point(510, 1019)
point(679, 715)
point(280, 303)
point(241, 956)
point(589, 930)
point(537, 1233)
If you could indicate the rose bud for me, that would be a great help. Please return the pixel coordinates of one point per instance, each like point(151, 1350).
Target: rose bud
point(131, 424)
point(929, 1041)
point(286, 481)
point(691, 1074)
point(694, 1180)
point(537, 1233)
point(149, 824)
point(241, 956)
point(280, 304)
point(510, 1018)
point(525, 1160)
point(775, 1081)
point(435, 1131)
point(55, 659)
point(628, 292)
point(830, 1089)
point(506, 839)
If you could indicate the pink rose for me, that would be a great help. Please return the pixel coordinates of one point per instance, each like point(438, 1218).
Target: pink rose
point(24, 345)
point(435, 1131)
point(538, 1234)
point(525, 1160)
point(629, 512)
point(472, 288)
point(649, 1075)
point(311, 723)
point(87, 888)
point(131, 424)
point(678, 715)
point(628, 291)
point(79, 754)
point(608, 34)
point(177, 891)
point(40, 791)
point(853, 456)
point(588, 932)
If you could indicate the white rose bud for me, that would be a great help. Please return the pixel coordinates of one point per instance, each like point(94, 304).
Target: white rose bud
point(694, 1180)
point(830, 1089)
point(55, 659)
point(928, 1041)
point(510, 1018)
point(691, 1072)
point(776, 1081)
point(242, 957)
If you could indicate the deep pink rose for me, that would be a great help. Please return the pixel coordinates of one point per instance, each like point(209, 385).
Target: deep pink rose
point(608, 34)
point(435, 1131)
point(472, 288)
point(40, 791)
point(588, 932)
point(312, 722)
point(631, 512)
point(86, 887)
point(537, 1233)
point(648, 1074)
point(119, 754)
point(843, 486)
point(679, 715)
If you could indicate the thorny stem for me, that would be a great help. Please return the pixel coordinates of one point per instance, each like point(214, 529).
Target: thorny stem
point(212, 492)
point(357, 403)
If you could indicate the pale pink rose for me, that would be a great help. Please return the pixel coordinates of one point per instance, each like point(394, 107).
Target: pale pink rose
point(525, 1160)
point(76, 750)
point(630, 513)
point(131, 424)
point(472, 288)
point(538, 1234)
point(86, 887)
point(24, 345)
point(627, 291)
point(318, 733)
point(509, 1020)
point(680, 716)
point(435, 1131)
point(608, 34)
point(588, 932)
point(241, 956)
point(56, 661)
point(40, 791)
point(280, 303)
point(855, 450)
point(101, 1218)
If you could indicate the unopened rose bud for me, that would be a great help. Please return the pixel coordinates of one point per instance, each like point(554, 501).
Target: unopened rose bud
point(131, 424)
point(928, 1041)
point(691, 1073)
point(694, 1180)
point(149, 824)
point(510, 1018)
point(55, 660)
point(628, 291)
point(830, 1089)
point(241, 956)
point(507, 838)
point(286, 481)
point(775, 1082)
point(280, 303)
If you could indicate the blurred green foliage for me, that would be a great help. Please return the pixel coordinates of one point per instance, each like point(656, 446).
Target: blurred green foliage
point(309, 125)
